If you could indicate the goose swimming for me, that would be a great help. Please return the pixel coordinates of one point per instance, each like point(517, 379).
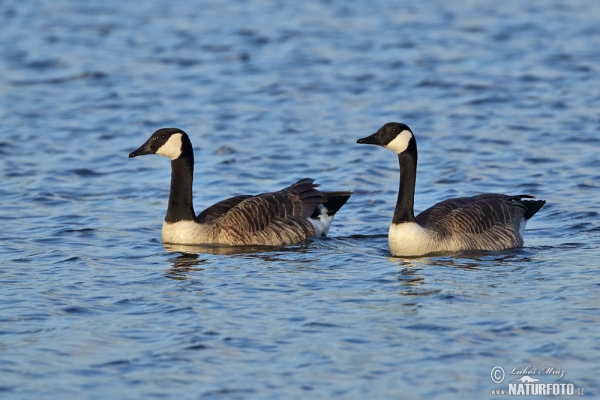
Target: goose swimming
point(281, 218)
point(485, 222)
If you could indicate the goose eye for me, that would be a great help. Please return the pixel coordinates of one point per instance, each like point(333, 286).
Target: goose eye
point(395, 130)
point(163, 137)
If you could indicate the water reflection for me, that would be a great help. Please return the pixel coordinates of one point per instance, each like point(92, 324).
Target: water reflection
point(413, 284)
point(412, 277)
point(218, 249)
point(189, 259)
point(465, 259)
point(183, 265)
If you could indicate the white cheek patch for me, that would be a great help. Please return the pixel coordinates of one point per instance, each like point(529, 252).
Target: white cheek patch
point(400, 142)
point(172, 148)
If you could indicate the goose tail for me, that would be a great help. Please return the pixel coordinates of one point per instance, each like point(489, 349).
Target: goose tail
point(322, 216)
point(532, 207)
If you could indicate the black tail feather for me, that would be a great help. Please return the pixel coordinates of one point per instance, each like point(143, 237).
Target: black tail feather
point(532, 206)
point(335, 201)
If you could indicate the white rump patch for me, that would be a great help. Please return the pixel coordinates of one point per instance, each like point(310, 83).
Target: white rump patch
point(172, 148)
point(400, 142)
point(322, 222)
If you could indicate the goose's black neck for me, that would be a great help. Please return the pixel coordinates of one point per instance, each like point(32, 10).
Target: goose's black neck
point(406, 193)
point(181, 207)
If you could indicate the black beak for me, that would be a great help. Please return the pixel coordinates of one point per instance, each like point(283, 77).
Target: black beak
point(373, 139)
point(143, 150)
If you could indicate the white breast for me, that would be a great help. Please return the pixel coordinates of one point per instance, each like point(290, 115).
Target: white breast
point(410, 239)
point(184, 232)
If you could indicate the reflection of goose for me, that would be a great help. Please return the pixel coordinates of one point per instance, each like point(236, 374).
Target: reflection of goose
point(484, 222)
point(526, 379)
point(221, 249)
point(183, 265)
point(273, 219)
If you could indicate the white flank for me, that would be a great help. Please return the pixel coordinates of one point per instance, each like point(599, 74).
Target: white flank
point(172, 148)
point(522, 225)
point(322, 222)
point(410, 239)
point(400, 142)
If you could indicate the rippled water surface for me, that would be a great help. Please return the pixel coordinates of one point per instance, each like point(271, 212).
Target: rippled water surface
point(502, 97)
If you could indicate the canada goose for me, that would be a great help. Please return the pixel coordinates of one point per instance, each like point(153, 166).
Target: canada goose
point(273, 219)
point(485, 222)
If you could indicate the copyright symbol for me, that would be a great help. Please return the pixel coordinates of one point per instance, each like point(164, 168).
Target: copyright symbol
point(497, 374)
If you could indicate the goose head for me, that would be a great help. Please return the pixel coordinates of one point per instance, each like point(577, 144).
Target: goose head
point(167, 142)
point(394, 136)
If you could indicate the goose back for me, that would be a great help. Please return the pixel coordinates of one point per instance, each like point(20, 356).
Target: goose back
point(275, 219)
point(488, 221)
point(217, 210)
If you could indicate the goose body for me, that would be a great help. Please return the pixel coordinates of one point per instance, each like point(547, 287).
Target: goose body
point(281, 218)
point(489, 221)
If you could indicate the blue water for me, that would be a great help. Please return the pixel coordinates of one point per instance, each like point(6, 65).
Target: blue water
point(502, 97)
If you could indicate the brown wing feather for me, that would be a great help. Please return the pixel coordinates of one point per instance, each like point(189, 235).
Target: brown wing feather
point(277, 218)
point(485, 221)
point(217, 210)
